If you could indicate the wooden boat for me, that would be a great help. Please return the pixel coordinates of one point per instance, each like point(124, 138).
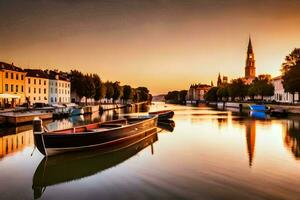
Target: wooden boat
point(90, 136)
point(167, 125)
point(77, 165)
point(163, 115)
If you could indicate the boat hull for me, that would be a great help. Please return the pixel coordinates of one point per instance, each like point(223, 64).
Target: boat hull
point(55, 143)
point(163, 115)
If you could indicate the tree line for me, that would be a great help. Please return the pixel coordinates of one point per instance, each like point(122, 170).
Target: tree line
point(261, 87)
point(177, 97)
point(91, 86)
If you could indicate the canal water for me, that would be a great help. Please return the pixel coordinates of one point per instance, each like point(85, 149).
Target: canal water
point(209, 154)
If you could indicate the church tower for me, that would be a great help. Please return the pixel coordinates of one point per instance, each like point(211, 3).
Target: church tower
point(250, 62)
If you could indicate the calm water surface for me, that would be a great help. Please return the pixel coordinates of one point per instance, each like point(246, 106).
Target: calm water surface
point(209, 155)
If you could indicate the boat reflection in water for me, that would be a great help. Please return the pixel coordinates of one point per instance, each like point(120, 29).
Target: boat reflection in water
point(167, 125)
point(258, 114)
point(73, 166)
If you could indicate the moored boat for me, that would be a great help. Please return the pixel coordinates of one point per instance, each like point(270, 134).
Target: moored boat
point(259, 107)
point(74, 166)
point(163, 115)
point(90, 136)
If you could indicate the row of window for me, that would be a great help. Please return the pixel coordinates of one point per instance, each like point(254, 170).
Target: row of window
point(34, 81)
point(14, 88)
point(39, 89)
point(12, 76)
point(34, 98)
point(60, 99)
point(66, 85)
point(60, 91)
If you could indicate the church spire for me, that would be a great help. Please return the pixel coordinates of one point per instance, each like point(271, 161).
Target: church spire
point(250, 49)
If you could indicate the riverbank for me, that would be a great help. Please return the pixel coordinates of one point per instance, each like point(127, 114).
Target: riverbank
point(16, 116)
point(242, 106)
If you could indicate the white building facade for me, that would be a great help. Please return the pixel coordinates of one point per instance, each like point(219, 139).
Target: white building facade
point(59, 90)
point(36, 86)
point(279, 94)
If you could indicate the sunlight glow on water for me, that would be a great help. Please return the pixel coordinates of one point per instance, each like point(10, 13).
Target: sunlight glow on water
point(209, 155)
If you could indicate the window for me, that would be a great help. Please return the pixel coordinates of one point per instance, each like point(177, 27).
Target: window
point(17, 76)
point(12, 75)
point(28, 89)
point(51, 99)
point(33, 98)
point(51, 90)
point(6, 87)
point(34, 81)
point(55, 99)
point(39, 90)
point(17, 88)
point(6, 74)
point(40, 82)
point(11, 87)
point(55, 90)
point(39, 98)
point(22, 88)
point(44, 82)
point(28, 80)
point(34, 90)
point(22, 77)
point(45, 91)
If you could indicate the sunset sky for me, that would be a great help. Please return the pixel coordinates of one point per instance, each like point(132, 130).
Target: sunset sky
point(161, 44)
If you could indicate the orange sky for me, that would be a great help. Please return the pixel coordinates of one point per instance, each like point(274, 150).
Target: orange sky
point(161, 44)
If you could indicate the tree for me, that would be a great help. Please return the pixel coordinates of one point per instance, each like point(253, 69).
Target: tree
point(223, 92)
point(182, 96)
point(97, 83)
point(291, 73)
point(237, 88)
point(143, 93)
point(211, 94)
point(261, 86)
point(77, 83)
point(102, 92)
point(117, 91)
point(89, 87)
point(127, 92)
point(109, 90)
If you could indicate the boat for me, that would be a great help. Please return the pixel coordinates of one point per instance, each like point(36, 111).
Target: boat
point(90, 136)
point(167, 125)
point(77, 165)
point(278, 112)
point(74, 109)
point(258, 115)
point(163, 114)
point(259, 107)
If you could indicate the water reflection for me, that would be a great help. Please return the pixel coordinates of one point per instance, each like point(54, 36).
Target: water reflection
point(292, 137)
point(167, 125)
point(69, 167)
point(14, 140)
point(250, 138)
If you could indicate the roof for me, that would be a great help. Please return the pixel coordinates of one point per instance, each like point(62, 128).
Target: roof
point(54, 75)
point(36, 73)
point(11, 67)
point(199, 86)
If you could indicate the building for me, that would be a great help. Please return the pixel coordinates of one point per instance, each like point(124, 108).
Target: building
point(59, 88)
point(36, 86)
point(12, 85)
point(197, 92)
point(250, 64)
point(279, 94)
